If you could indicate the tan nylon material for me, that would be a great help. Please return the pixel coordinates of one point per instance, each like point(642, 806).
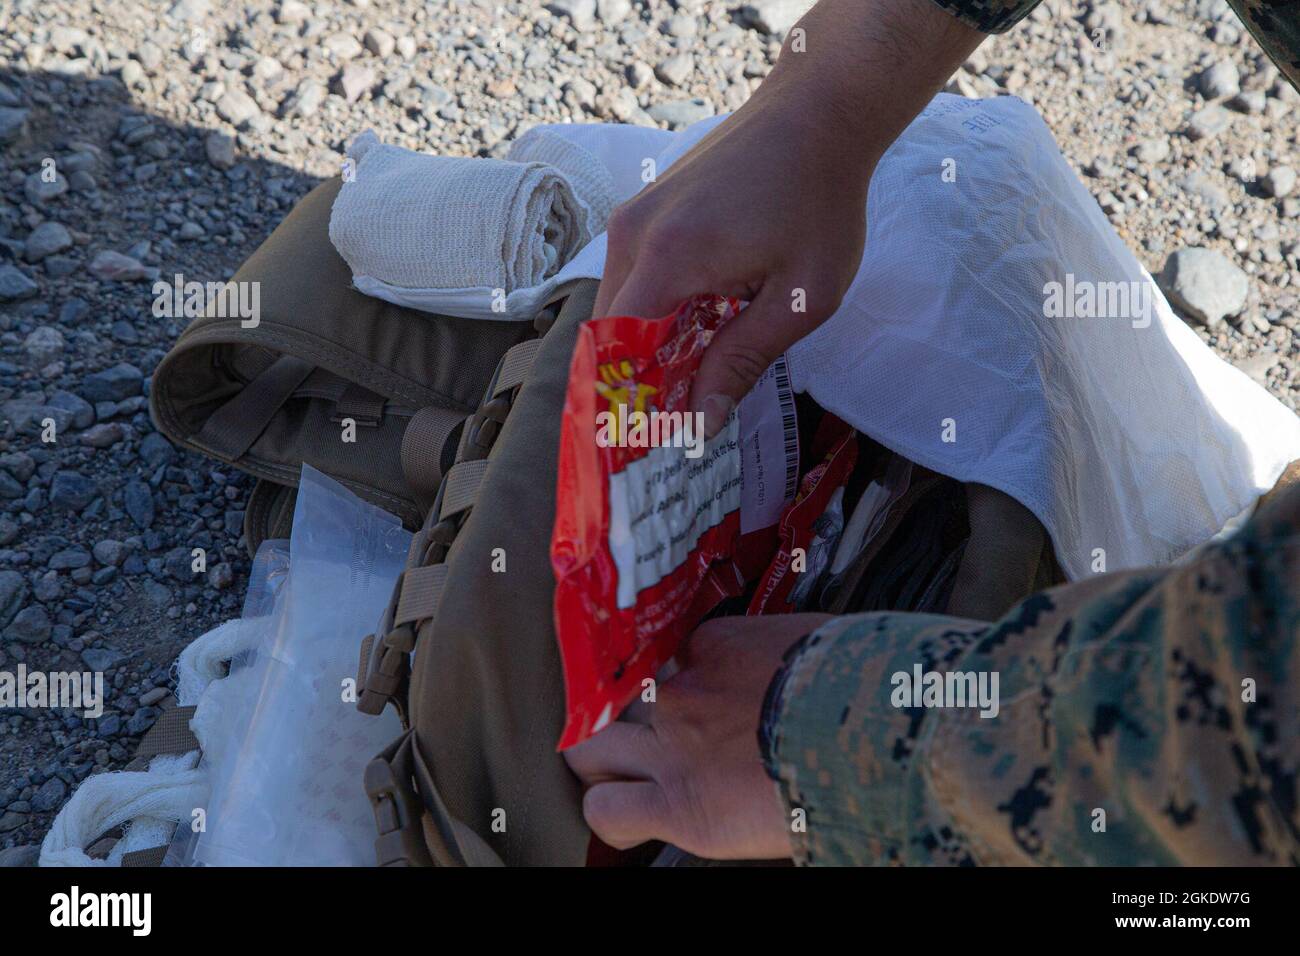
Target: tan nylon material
point(421, 589)
point(462, 487)
point(487, 693)
point(422, 444)
point(309, 310)
point(515, 366)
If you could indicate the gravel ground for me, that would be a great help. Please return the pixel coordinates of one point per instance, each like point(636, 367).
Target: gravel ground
point(180, 135)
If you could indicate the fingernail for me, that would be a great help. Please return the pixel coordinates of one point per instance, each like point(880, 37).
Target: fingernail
point(716, 408)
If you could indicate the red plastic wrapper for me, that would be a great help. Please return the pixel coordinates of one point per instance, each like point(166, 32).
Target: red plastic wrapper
point(644, 517)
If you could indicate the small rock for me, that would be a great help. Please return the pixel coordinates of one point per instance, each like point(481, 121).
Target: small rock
point(103, 436)
point(344, 46)
point(220, 149)
point(13, 123)
point(1278, 181)
point(31, 625)
point(40, 190)
point(1220, 80)
point(115, 267)
point(156, 696)
point(354, 81)
point(237, 108)
point(114, 384)
point(51, 795)
point(580, 13)
point(676, 69)
point(72, 491)
point(109, 552)
point(380, 43)
point(13, 592)
point(20, 855)
point(100, 659)
point(1208, 122)
point(43, 345)
point(305, 100)
point(680, 113)
point(613, 11)
point(1204, 285)
point(138, 501)
point(47, 239)
point(774, 16)
point(15, 284)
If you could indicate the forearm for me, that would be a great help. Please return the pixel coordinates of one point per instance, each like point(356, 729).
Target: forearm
point(1139, 722)
point(861, 70)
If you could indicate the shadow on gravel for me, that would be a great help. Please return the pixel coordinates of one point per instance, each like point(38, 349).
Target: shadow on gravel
point(99, 515)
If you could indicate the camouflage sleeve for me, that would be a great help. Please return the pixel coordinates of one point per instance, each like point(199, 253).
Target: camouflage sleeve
point(1142, 718)
point(1275, 24)
point(989, 16)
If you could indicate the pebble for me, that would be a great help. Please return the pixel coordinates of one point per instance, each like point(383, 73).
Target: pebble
point(15, 284)
point(1204, 285)
point(72, 491)
point(677, 114)
point(219, 147)
point(1208, 122)
point(115, 267)
point(1278, 181)
point(1220, 80)
point(47, 239)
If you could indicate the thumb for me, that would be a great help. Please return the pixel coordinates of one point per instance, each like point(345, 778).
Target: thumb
point(627, 813)
point(742, 351)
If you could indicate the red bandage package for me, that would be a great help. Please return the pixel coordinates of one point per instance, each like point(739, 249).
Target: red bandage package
point(655, 525)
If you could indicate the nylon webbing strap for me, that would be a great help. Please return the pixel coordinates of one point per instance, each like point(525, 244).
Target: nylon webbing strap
point(421, 590)
point(422, 442)
point(461, 487)
point(231, 430)
point(151, 857)
point(170, 734)
point(359, 404)
point(515, 365)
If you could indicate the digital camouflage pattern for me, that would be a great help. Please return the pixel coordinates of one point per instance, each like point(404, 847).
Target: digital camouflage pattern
point(1129, 694)
point(1274, 23)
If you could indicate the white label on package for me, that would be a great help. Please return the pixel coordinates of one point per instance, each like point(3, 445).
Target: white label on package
point(660, 504)
point(770, 451)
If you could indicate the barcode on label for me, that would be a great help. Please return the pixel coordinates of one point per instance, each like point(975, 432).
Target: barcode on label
point(789, 427)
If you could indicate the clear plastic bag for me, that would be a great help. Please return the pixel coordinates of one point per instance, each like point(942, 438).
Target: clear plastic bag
point(287, 773)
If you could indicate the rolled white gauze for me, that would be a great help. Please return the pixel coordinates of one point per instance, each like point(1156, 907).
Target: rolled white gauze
point(417, 221)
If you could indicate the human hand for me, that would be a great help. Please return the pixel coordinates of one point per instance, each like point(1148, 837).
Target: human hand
point(770, 207)
point(686, 769)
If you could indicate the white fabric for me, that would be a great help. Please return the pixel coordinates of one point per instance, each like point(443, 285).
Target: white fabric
point(475, 231)
point(1131, 444)
point(168, 791)
point(152, 801)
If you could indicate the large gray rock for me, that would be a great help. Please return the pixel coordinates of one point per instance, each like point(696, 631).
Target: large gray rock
point(1204, 285)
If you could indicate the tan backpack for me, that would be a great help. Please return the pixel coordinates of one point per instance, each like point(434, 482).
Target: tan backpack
point(457, 432)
